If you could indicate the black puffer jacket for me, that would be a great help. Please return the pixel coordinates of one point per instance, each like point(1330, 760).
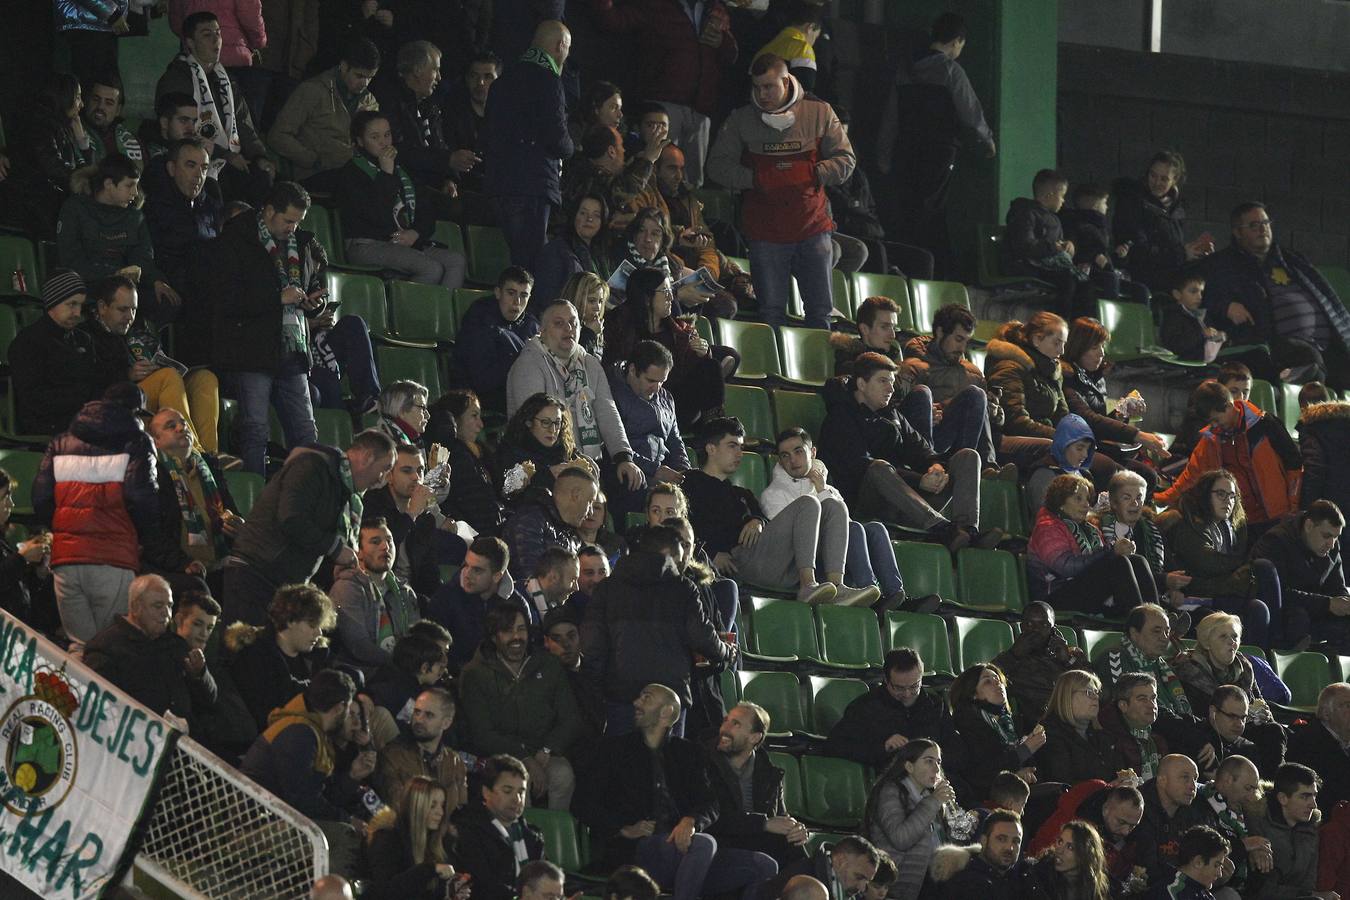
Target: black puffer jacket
point(1086, 395)
point(1155, 230)
point(1323, 435)
point(1033, 233)
point(643, 625)
point(532, 529)
point(853, 436)
point(473, 498)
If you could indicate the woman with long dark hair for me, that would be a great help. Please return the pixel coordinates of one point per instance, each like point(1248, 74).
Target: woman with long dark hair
point(698, 380)
point(579, 247)
point(47, 146)
point(455, 421)
point(1073, 869)
point(906, 813)
point(979, 701)
point(537, 445)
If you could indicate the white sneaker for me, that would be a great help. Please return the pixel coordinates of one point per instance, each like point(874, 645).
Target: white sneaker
point(847, 596)
point(817, 593)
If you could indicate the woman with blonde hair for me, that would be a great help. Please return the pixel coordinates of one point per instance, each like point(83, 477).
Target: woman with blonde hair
point(1076, 749)
point(1073, 869)
point(589, 293)
point(408, 860)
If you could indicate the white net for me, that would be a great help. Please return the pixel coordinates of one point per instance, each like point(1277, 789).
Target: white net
point(221, 836)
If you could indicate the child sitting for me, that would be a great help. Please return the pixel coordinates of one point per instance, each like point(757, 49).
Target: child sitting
point(1087, 228)
point(1034, 243)
point(1183, 329)
point(1070, 454)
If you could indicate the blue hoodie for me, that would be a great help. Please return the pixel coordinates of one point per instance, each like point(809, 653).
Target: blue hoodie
point(1072, 428)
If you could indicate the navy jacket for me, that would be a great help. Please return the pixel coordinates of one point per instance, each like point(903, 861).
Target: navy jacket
point(653, 431)
point(178, 226)
point(527, 137)
point(1235, 276)
point(852, 436)
point(488, 345)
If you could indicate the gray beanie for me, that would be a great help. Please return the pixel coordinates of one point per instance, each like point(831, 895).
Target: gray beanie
point(61, 285)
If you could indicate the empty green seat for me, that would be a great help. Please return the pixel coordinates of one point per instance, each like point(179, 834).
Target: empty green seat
point(926, 633)
point(781, 694)
point(756, 345)
point(835, 791)
point(989, 265)
point(806, 355)
point(842, 292)
point(334, 427)
point(1132, 333)
point(784, 630)
point(805, 410)
point(1096, 643)
point(245, 488)
point(750, 404)
point(1306, 674)
point(488, 253)
point(980, 640)
point(731, 688)
point(925, 568)
point(988, 580)
point(563, 844)
point(23, 466)
point(17, 252)
point(792, 781)
point(1001, 507)
point(360, 295)
point(321, 221)
point(830, 697)
point(410, 363)
point(1263, 395)
point(869, 284)
point(849, 637)
point(422, 312)
point(930, 296)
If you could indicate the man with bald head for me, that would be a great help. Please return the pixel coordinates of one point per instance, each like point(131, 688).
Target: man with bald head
point(527, 140)
point(649, 800)
point(331, 887)
point(1166, 798)
point(804, 887)
point(1324, 745)
point(1221, 805)
point(143, 656)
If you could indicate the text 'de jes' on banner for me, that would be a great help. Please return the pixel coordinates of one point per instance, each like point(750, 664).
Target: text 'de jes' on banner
point(79, 760)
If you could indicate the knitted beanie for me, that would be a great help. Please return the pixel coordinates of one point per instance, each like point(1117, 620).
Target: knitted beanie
point(61, 285)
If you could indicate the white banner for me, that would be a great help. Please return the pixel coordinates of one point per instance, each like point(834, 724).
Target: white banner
point(78, 761)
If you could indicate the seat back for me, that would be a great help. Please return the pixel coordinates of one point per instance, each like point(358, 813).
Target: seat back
point(411, 363)
point(830, 697)
point(835, 789)
point(488, 253)
point(792, 782)
point(925, 569)
point(1263, 396)
point(245, 488)
point(1096, 643)
point(321, 221)
point(756, 345)
point(988, 580)
point(926, 633)
point(1131, 327)
point(849, 636)
point(750, 404)
point(783, 628)
point(16, 252)
point(800, 408)
point(1306, 674)
point(980, 640)
point(334, 427)
point(928, 297)
point(423, 312)
point(752, 475)
point(362, 296)
point(806, 355)
point(562, 842)
point(1001, 507)
point(868, 284)
point(781, 694)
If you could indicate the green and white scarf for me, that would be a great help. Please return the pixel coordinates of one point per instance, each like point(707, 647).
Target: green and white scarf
point(290, 273)
point(405, 212)
point(1001, 720)
point(1148, 751)
point(355, 506)
point(1085, 534)
point(542, 59)
point(195, 519)
point(1233, 821)
point(1171, 692)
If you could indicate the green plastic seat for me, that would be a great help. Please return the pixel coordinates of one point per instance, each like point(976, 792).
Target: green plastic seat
point(1001, 507)
point(1264, 397)
point(1339, 279)
point(1306, 674)
point(869, 284)
point(563, 844)
point(987, 580)
point(448, 233)
point(321, 221)
point(849, 637)
point(752, 475)
point(835, 791)
point(18, 251)
point(756, 344)
point(926, 633)
point(1096, 643)
point(22, 465)
point(410, 363)
point(830, 697)
point(989, 265)
point(1133, 335)
point(460, 301)
point(792, 781)
point(784, 630)
point(362, 296)
point(928, 297)
point(750, 404)
point(805, 410)
point(925, 568)
point(703, 326)
point(731, 688)
point(781, 694)
point(422, 312)
point(1070, 635)
point(719, 204)
point(334, 427)
point(245, 488)
point(841, 290)
point(806, 355)
point(980, 640)
point(9, 327)
point(488, 253)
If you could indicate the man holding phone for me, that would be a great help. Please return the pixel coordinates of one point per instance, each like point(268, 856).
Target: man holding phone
point(264, 280)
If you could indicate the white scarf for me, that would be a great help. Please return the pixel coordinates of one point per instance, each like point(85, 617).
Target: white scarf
point(218, 126)
point(782, 118)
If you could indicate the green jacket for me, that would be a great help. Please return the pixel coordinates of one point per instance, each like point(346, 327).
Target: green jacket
point(96, 239)
point(519, 716)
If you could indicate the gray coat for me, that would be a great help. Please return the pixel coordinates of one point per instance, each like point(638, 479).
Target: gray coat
point(908, 832)
point(592, 405)
point(1295, 850)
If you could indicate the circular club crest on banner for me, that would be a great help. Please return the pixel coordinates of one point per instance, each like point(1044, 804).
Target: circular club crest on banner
point(39, 747)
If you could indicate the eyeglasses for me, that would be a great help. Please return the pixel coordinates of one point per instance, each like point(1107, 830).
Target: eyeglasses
point(1258, 225)
point(549, 424)
point(1243, 718)
point(1224, 495)
point(905, 688)
point(1090, 692)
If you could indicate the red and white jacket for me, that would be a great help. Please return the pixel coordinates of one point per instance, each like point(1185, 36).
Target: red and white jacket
point(96, 489)
point(783, 168)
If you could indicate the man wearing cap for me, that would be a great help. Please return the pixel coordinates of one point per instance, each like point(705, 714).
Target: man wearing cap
point(53, 362)
point(101, 508)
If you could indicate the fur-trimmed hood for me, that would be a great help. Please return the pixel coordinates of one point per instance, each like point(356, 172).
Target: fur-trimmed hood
point(950, 859)
point(999, 349)
point(1322, 413)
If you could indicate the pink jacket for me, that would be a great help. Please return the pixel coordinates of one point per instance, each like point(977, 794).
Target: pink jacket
point(1053, 553)
point(241, 26)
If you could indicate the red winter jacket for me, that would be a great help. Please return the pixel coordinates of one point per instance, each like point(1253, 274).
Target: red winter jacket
point(1053, 553)
point(1333, 851)
point(1084, 801)
point(673, 66)
point(96, 489)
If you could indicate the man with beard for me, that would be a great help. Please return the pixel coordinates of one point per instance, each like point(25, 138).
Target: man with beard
point(518, 702)
point(594, 569)
point(989, 871)
point(423, 537)
point(103, 98)
point(425, 750)
point(754, 819)
point(375, 607)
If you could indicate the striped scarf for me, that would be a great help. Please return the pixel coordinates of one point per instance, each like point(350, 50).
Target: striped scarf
point(198, 533)
point(1171, 692)
point(1085, 535)
point(290, 273)
point(1000, 719)
point(355, 506)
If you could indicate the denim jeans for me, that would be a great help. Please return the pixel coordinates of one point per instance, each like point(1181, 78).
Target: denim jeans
point(965, 423)
point(772, 268)
point(706, 870)
point(525, 225)
point(288, 391)
point(349, 339)
point(871, 558)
